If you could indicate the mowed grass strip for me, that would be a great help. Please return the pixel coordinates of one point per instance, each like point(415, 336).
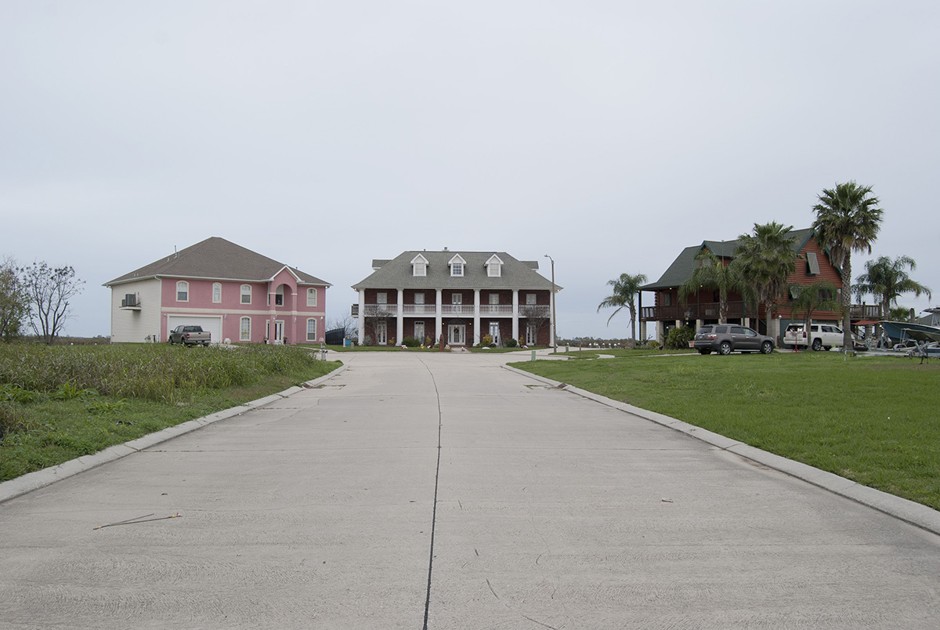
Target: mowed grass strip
point(61, 402)
point(875, 420)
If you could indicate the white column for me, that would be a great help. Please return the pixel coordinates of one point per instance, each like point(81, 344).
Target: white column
point(400, 328)
point(362, 315)
point(515, 315)
point(476, 317)
point(438, 315)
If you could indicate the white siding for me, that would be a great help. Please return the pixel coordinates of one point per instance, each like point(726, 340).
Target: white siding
point(133, 326)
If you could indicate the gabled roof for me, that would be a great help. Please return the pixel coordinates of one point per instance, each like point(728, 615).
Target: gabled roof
point(397, 273)
point(682, 267)
point(216, 259)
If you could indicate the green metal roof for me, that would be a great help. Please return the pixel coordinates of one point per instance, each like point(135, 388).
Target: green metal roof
point(682, 267)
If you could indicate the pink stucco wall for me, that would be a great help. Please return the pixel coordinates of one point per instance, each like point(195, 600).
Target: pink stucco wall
point(294, 312)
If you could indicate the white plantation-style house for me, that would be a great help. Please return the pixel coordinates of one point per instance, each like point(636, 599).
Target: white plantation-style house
point(460, 296)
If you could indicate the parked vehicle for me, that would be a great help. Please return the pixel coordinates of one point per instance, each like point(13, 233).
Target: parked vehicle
point(190, 336)
point(822, 336)
point(727, 338)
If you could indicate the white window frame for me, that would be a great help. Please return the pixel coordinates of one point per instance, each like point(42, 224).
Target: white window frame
point(456, 299)
point(494, 267)
point(312, 320)
point(243, 334)
point(216, 292)
point(245, 291)
point(457, 264)
point(381, 298)
point(531, 299)
point(419, 266)
point(182, 289)
point(494, 299)
point(419, 298)
point(311, 296)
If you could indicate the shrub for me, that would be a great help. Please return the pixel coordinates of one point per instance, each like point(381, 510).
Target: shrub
point(410, 342)
point(487, 340)
point(511, 343)
point(679, 338)
point(653, 344)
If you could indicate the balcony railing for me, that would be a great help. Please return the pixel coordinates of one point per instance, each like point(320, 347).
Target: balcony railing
point(736, 310)
point(489, 310)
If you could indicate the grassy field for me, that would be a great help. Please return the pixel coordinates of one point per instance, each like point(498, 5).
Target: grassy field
point(875, 420)
point(61, 402)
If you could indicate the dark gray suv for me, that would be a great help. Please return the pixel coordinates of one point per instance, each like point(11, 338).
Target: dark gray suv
point(726, 338)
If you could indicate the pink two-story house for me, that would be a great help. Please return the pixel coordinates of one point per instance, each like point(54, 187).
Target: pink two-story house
point(236, 294)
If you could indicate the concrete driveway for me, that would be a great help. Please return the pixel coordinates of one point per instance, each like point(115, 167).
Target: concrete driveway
point(442, 491)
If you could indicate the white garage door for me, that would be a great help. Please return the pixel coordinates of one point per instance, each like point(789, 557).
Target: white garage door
point(212, 324)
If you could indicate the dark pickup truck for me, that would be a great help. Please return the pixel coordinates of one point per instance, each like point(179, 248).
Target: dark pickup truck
point(190, 336)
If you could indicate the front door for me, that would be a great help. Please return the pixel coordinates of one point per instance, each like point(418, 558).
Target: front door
point(419, 332)
point(381, 332)
point(457, 334)
point(531, 334)
point(494, 332)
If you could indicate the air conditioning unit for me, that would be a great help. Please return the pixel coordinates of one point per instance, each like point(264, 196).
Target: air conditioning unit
point(130, 300)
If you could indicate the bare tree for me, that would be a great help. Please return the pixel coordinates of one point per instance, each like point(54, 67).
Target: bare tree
point(13, 302)
point(535, 316)
point(48, 292)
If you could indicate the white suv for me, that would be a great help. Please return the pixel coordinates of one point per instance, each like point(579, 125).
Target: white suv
point(822, 336)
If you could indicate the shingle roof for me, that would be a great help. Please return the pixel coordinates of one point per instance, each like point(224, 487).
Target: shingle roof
point(397, 272)
point(681, 268)
point(217, 259)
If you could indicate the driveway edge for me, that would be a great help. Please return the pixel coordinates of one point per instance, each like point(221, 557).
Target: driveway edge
point(908, 511)
point(47, 476)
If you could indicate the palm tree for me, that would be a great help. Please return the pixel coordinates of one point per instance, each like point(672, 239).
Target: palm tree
point(847, 220)
point(626, 288)
point(887, 280)
point(712, 272)
point(765, 259)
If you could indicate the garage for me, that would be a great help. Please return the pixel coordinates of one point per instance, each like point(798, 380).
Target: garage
point(211, 324)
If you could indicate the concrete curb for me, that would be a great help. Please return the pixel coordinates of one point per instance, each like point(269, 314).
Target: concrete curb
point(903, 509)
point(42, 478)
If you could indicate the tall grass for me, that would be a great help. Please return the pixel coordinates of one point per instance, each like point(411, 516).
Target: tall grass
point(152, 372)
point(61, 402)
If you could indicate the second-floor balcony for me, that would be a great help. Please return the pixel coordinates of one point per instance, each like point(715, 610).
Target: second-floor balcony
point(465, 310)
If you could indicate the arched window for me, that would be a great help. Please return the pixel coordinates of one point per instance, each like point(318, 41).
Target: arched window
point(311, 297)
point(182, 291)
point(216, 292)
point(244, 330)
point(246, 294)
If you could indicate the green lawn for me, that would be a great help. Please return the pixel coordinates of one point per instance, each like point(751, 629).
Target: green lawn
point(58, 403)
point(875, 420)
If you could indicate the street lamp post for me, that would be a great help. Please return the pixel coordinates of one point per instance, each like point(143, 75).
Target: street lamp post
point(554, 327)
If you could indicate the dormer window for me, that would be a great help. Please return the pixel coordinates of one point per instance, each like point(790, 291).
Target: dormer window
point(457, 264)
point(419, 266)
point(494, 267)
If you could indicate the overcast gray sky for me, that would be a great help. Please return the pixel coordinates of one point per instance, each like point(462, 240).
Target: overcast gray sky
point(325, 134)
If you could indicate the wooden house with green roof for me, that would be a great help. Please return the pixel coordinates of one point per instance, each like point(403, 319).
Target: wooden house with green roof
point(701, 307)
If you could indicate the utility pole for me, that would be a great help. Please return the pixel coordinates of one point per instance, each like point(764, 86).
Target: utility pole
point(554, 327)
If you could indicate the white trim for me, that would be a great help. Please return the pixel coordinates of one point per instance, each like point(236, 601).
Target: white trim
point(312, 291)
point(241, 294)
point(241, 333)
point(453, 262)
point(216, 285)
point(307, 331)
point(182, 283)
